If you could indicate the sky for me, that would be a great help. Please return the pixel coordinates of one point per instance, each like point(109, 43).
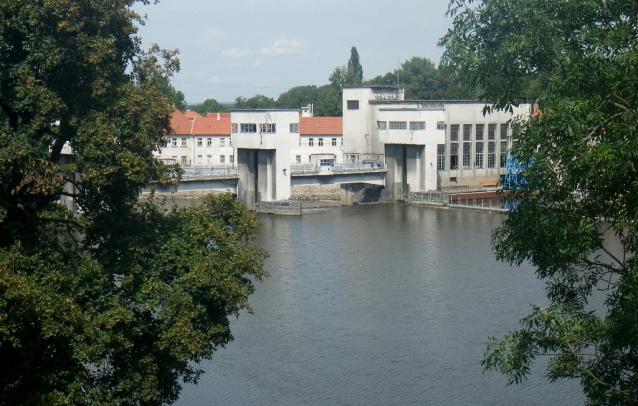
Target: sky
point(231, 48)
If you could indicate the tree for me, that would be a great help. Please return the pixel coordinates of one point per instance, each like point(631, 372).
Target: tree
point(116, 303)
point(576, 222)
point(354, 72)
point(297, 97)
point(210, 106)
point(175, 97)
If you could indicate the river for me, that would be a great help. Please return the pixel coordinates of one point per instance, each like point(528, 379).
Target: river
point(378, 305)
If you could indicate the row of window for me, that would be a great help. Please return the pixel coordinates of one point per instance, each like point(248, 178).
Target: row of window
point(311, 142)
point(322, 162)
point(200, 142)
point(267, 128)
point(479, 131)
point(401, 125)
point(466, 156)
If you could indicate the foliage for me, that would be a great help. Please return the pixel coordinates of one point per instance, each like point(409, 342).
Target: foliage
point(354, 72)
point(577, 221)
point(256, 102)
point(297, 97)
point(113, 303)
point(210, 106)
point(175, 97)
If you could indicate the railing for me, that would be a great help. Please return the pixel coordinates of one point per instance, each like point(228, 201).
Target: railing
point(428, 197)
point(493, 203)
point(215, 171)
point(303, 169)
point(285, 207)
point(466, 189)
point(368, 166)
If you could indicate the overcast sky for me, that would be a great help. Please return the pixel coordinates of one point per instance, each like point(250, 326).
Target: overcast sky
point(231, 48)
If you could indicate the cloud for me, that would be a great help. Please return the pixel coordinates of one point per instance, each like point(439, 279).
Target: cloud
point(236, 53)
point(209, 36)
point(284, 47)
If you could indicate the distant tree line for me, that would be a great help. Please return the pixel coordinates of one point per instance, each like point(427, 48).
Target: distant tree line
point(420, 77)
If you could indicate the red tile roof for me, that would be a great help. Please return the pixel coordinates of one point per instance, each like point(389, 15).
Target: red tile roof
point(321, 125)
point(192, 123)
point(180, 123)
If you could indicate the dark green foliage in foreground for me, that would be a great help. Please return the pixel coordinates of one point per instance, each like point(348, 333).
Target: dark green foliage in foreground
point(577, 223)
point(114, 305)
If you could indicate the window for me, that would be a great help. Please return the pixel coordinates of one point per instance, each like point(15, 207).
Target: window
point(183, 142)
point(298, 159)
point(503, 131)
point(209, 159)
point(353, 104)
point(199, 159)
point(467, 132)
point(209, 142)
point(231, 158)
point(222, 142)
point(184, 159)
point(309, 158)
point(326, 162)
point(454, 132)
point(381, 125)
point(454, 156)
point(440, 125)
point(294, 127)
point(311, 142)
point(467, 155)
point(233, 127)
point(321, 142)
point(491, 154)
point(503, 153)
point(174, 142)
point(267, 128)
point(398, 125)
point(480, 129)
point(334, 142)
point(491, 131)
point(479, 155)
point(222, 159)
point(440, 157)
point(248, 128)
point(417, 125)
point(199, 142)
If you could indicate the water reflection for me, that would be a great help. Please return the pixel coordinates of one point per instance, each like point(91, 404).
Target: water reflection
point(379, 304)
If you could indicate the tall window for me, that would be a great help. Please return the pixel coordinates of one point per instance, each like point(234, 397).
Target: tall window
point(398, 125)
point(467, 155)
point(503, 131)
point(454, 155)
point(267, 128)
point(222, 159)
point(209, 159)
point(321, 142)
point(311, 142)
point(222, 142)
point(479, 155)
point(491, 131)
point(381, 125)
point(233, 127)
point(174, 142)
point(440, 125)
point(298, 159)
point(454, 132)
point(183, 142)
point(232, 159)
point(294, 127)
point(480, 129)
point(353, 104)
point(417, 125)
point(491, 154)
point(199, 159)
point(467, 132)
point(248, 128)
point(503, 153)
point(199, 142)
point(334, 142)
point(184, 159)
point(209, 142)
point(440, 157)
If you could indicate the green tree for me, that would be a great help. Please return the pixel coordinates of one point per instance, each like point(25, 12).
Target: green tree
point(354, 70)
point(175, 97)
point(210, 106)
point(577, 220)
point(116, 303)
point(298, 97)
